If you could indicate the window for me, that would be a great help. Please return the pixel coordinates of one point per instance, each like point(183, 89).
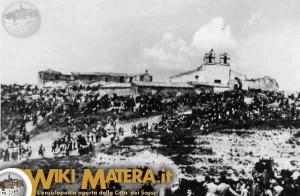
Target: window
point(218, 81)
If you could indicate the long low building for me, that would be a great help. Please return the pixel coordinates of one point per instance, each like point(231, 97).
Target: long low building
point(112, 77)
point(91, 77)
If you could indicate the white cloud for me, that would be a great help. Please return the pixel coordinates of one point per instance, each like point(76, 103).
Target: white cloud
point(172, 54)
point(215, 34)
point(169, 48)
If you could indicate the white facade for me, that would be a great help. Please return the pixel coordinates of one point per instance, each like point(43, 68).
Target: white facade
point(211, 72)
point(197, 75)
point(208, 74)
point(15, 191)
point(219, 76)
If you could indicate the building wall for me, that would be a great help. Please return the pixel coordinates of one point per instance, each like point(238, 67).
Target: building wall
point(206, 74)
point(47, 77)
point(140, 90)
point(51, 75)
point(221, 89)
point(117, 79)
point(266, 83)
point(217, 72)
point(44, 77)
point(144, 78)
point(162, 90)
point(117, 91)
point(104, 78)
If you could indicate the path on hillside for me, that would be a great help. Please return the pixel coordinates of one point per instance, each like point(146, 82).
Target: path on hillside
point(46, 139)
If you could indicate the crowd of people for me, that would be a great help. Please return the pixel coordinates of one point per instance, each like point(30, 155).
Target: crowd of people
point(75, 141)
point(258, 186)
point(78, 108)
point(28, 104)
point(231, 110)
point(22, 152)
point(208, 110)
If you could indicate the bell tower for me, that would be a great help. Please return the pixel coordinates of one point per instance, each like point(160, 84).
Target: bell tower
point(210, 58)
point(225, 59)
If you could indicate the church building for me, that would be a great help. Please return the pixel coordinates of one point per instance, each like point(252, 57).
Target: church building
point(215, 72)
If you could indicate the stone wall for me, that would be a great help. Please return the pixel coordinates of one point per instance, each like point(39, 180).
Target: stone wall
point(265, 83)
point(117, 91)
point(163, 90)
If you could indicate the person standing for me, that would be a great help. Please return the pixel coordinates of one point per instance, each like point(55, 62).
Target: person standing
point(254, 190)
point(224, 189)
point(210, 187)
point(266, 191)
point(189, 192)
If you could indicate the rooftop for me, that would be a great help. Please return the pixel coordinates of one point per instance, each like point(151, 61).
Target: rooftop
point(50, 71)
point(187, 72)
point(106, 73)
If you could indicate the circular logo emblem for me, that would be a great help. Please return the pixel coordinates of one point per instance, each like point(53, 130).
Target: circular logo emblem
point(21, 19)
point(14, 182)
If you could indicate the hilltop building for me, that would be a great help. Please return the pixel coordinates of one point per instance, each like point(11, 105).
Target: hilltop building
point(112, 77)
point(91, 77)
point(215, 74)
point(50, 75)
point(218, 75)
point(12, 187)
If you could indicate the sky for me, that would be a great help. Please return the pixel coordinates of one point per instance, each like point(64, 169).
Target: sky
point(165, 37)
point(12, 175)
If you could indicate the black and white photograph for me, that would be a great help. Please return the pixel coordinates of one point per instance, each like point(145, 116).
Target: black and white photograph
point(207, 89)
